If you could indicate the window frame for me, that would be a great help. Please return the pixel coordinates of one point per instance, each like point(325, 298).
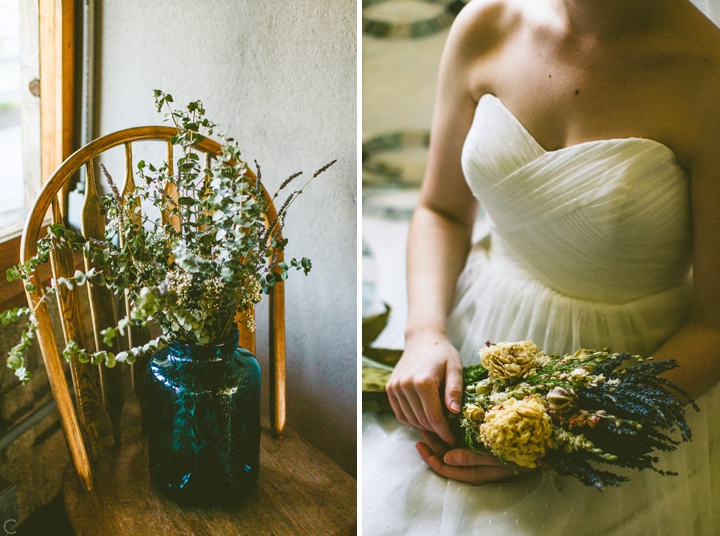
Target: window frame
point(57, 46)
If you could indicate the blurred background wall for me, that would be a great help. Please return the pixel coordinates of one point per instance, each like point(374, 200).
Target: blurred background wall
point(402, 44)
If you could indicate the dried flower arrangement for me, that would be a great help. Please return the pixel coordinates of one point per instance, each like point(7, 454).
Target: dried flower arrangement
point(571, 411)
point(213, 260)
point(564, 412)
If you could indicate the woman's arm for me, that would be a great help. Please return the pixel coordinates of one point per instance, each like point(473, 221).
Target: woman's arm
point(430, 370)
point(696, 346)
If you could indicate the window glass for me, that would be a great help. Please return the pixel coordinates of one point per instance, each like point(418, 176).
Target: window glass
point(11, 168)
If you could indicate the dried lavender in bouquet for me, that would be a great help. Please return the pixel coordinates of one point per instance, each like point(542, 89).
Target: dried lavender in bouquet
point(572, 411)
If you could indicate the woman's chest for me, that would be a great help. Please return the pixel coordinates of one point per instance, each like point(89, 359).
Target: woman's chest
point(564, 101)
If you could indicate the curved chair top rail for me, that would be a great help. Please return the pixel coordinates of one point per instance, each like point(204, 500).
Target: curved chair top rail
point(74, 162)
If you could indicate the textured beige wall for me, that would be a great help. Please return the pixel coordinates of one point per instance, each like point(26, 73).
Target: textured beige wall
point(281, 78)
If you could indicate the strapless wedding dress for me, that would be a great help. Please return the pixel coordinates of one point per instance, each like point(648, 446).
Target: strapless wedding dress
point(591, 247)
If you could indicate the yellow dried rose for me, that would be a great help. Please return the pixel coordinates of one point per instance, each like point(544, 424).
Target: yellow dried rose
point(473, 413)
point(508, 360)
point(518, 431)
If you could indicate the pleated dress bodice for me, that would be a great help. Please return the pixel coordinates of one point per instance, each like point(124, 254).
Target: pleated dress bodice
point(589, 237)
point(605, 221)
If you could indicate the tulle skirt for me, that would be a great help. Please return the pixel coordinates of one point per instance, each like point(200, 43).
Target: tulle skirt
point(497, 301)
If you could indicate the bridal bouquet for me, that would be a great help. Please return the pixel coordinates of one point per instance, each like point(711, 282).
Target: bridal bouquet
point(571, 411)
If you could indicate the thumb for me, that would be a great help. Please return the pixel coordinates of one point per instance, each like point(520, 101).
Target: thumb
point(453, 386)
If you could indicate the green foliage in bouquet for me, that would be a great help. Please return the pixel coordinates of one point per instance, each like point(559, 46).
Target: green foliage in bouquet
point(572, 411)
point(215, 258)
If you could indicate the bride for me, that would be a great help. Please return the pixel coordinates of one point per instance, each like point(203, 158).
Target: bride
point(590, 132)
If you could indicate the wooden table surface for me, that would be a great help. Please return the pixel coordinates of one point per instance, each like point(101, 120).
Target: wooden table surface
point(300, 491)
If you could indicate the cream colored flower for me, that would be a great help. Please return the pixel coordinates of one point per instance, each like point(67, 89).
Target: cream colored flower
point(572, 442)
point(518, 431)
point(508, 360)
point(474, 413)
point(499, 397)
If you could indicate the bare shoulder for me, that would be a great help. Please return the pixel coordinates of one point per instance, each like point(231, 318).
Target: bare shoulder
point(702, 84)
point(485, 23)
point(480, 32)
point(701, 52)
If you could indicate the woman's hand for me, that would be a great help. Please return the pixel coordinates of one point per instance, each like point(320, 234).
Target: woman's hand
point(429, 370)
point(464, 464)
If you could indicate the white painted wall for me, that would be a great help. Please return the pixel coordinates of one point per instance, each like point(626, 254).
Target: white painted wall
point(280, 76)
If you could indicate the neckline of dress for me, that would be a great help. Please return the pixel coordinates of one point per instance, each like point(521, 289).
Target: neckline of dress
point(522, 127)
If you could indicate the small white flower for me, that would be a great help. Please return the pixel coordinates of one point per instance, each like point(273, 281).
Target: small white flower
point(594, 380)
point(579, 374)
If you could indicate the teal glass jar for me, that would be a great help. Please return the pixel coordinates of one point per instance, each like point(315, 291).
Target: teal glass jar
point(204, 421)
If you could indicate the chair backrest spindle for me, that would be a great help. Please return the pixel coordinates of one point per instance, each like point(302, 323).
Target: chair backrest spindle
point(136, 336)
point(277, 358)
point(58, 385)
point(171, 191)
point(85, 383)
point(102, 305)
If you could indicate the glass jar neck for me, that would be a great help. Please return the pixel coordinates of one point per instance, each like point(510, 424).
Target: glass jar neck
point(188, 351)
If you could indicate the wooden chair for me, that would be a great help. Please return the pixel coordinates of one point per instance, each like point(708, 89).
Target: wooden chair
point(106, 484)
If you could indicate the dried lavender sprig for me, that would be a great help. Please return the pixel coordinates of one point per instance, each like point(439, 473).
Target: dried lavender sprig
point(118, 200)
point(583, 471)
point(113, 186)
point(322, 169)
point(286, 182)
point(290, 200)
point(259, 197)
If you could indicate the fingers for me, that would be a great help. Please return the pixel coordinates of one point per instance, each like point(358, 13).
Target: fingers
point(413, 400)
point(479, 474)
point(468, 458)
point(453, 386)
point(403, 410)
point(415, 391)
point(437, 445)
point(395, 405)
point(417, 403)
point(434, 414)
